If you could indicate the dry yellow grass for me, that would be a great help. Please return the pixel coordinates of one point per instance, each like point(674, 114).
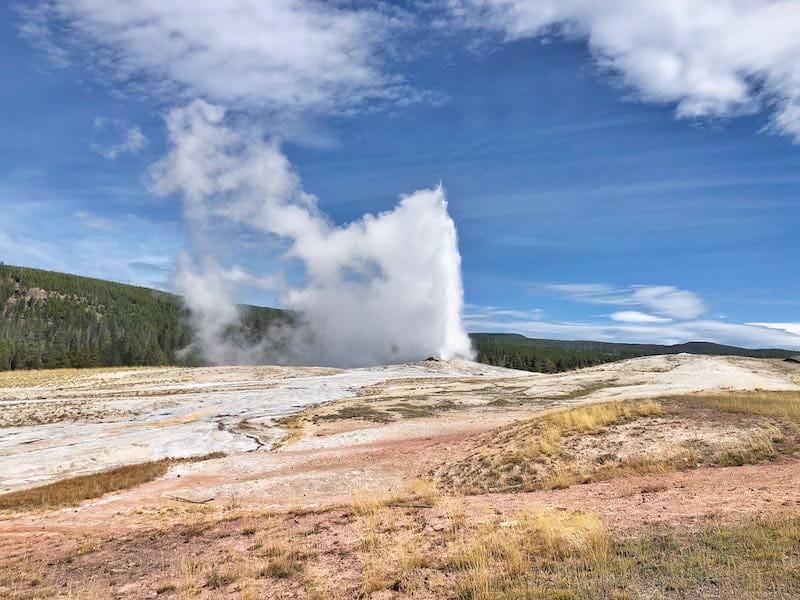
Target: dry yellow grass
point(769, 404)
point(538, 553)
point(530, 454)
point(425, 490)
point(595, 417)
point(755, 447)
point(553, 452)
point(364, 504)
point(294, 430)
point(38, 377)
point(283, 559)
point(73, 491)
point(560, 555)
point(390, 557)
point(491, 559)
point(454, 509)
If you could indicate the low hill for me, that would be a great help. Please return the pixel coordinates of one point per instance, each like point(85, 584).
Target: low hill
point(552, 356)
point(52, 320)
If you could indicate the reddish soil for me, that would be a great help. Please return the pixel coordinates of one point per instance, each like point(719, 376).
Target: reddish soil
point(680, 499)
point(135, 563)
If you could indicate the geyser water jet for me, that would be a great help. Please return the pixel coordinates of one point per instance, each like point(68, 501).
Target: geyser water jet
point(384, 288)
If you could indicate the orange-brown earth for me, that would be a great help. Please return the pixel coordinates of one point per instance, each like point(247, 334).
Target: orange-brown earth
point(291, 522)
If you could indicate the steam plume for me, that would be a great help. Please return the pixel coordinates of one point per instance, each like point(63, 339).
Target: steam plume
point(385, 288)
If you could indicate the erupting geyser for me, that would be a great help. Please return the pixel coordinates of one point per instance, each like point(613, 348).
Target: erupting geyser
point(385, 288)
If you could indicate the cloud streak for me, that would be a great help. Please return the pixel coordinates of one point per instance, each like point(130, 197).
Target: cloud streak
point(746, 335)
point(669, 302)
point(673, 316)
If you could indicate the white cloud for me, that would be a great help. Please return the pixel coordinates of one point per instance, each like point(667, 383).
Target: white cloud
point(793, 328)
point(296, 56)
point(666, 301)
point(634, 316)
point(474, 311)
point(114, 137)
point(715, 58)
point(735, 334)
point(93, 221)
point(34, 27)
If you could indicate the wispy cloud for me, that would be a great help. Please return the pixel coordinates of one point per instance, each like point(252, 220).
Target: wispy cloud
point(40, 229)
point(793, 328)
point(93, 221)
point(476, 313)
point(669, 315)
point(34, 27)
point(113, 137)
point(283, 56)
point(747, 335)
point(666, 301)
point(718, 58)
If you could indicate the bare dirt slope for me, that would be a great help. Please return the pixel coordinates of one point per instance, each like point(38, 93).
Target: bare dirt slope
point(313, 440)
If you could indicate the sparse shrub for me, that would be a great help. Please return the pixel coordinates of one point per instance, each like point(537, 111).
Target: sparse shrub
point(216, 579)
point(165, 588)
point(284, 560)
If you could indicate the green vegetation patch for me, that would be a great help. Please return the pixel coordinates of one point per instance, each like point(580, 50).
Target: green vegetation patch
point(53, 320)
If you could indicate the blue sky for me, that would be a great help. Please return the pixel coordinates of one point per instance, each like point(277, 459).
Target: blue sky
point(591, 202)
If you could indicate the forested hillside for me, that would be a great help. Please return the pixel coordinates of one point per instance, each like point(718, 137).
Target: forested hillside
point(54, 320)
point(553, 356)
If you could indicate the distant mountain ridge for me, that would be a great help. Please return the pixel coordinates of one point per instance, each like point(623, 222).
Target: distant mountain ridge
point(550, 356)
point(52, 320)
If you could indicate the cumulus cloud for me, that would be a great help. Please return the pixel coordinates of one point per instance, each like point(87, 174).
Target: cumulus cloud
point(666, 301)
point(384, 288)
point(716, 58)
point(278, 55)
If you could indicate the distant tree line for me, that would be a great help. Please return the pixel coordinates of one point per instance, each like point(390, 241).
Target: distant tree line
point(554, 356)
point(512, 354)
point(52, 320)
